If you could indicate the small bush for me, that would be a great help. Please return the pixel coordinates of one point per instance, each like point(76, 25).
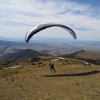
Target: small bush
point(33, 64)
point(39, 63)
point(12, 79)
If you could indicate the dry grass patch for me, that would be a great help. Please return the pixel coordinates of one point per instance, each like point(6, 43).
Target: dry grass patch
point(70, 82)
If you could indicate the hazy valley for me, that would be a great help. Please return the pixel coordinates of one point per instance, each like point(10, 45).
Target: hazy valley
point(51, 47)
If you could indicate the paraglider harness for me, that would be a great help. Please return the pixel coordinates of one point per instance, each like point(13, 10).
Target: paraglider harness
point(52, 67)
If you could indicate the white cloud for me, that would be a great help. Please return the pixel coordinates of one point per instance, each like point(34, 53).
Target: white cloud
point(17, 17)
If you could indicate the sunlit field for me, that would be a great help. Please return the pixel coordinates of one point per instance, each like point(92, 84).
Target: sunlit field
point(37, 82)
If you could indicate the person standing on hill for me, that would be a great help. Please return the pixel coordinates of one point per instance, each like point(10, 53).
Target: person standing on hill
point(52, 67)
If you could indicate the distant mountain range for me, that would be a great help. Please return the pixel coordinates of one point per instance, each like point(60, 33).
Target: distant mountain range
point(63, 40)
point(9, 39)
point(10, 43)
point(53, 40)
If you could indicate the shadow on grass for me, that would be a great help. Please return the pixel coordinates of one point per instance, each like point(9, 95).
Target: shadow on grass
point(74, 74)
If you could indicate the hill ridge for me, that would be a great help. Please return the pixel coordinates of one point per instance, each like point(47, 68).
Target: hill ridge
point(22, 54)
point(89, 56)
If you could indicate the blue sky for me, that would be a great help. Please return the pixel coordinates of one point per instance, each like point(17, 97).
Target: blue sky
point(18, 16)
point(90, 2)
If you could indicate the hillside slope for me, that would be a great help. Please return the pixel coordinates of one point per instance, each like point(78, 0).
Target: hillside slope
point(32, 82)
point(27, 53)
point(88, 56)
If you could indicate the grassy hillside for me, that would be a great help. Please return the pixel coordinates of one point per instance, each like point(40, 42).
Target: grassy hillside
point(72, 81)
point(89, 56)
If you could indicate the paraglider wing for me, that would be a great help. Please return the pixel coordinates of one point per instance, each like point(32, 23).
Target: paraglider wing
point(41, 27)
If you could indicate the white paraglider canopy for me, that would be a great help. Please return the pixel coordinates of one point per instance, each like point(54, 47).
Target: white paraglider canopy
point(41, 27)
